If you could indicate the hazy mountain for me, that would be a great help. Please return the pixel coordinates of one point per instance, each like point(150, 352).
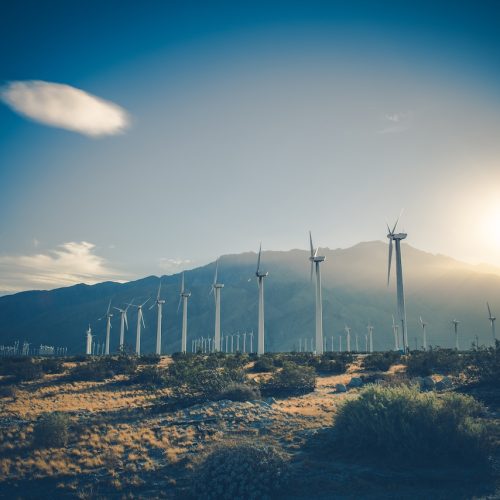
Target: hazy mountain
point(355, 292)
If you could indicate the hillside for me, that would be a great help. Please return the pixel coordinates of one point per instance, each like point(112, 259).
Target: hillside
point(355, 292)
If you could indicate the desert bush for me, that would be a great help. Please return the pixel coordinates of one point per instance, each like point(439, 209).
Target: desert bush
point(484, 365)
point(51, 430)
point(240, 470)
point(240, 392)
point(51, 365)
point(21, 368)
point(381, 360)
point(105, 367)
point(150, 376)
point(8, 391)
point(403, 425)
point(263, 364)
point(149, 359)
point(292, 379)
point(442, 361)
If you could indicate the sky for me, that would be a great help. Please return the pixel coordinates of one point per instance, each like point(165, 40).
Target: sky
point(141, 138)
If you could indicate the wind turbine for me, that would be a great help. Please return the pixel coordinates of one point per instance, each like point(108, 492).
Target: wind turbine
point(159, 304)
point(455, 327)
point(492, 322)
point(123, 323)
point(260, 277)
point(348, 338)
point(395, 330)
point(316, 260)
point(397, 237)
point(88, 346)
point(184, 296)
point(424, 333)
point(108, 317)
point(370, 337)
point(140, 318)
point(216, 289)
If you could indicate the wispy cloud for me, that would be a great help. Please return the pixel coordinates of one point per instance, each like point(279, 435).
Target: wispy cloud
point(175, 265)
point(65, 107)
point(68, 264)
point(396, 122)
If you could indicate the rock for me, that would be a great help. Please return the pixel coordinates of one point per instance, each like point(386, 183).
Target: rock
point(428, 383)
point(355, 382)
point(340, 388)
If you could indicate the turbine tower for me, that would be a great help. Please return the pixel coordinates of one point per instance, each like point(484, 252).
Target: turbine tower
point(348, 338)
point(184, 296)
point(492, 322)
point(397, 237)
point(159, 304)
point(424, 333)
point(88, 346)
point(123, 324)
point(316, 260)
point(140, 318)
point(216, 289)
point(395, 330)
point(455, 328)
point(108, 317)
point(370, 337)
point(260, 277)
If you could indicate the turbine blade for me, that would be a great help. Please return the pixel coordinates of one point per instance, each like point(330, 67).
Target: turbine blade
point(109, 306)
point(126, 321)
point(152, 305)
point(389, 263)
point(131, 303)
point(146, 301)
point(489, 310)
point(142, 319)
point(159, 289)
point(258, 258)
point(311, 244)
point(216, 269)
point(397, 220)
point(179, 305)
point(182, 283)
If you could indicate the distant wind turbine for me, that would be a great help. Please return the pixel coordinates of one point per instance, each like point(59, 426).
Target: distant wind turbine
point(424, 333)
point(370, 337)
point(140, 319)
point(492, 322)
point(260, 277)
point(216, 290)
point(393, 237)
point(88, 346)
point(159, 304)
point(455, 328)
point(184, 296)
point(108, 317)
point(123, 323)
point(316, 260)
point(348, 338)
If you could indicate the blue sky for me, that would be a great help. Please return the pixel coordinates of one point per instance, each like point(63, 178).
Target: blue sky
point(242, 122)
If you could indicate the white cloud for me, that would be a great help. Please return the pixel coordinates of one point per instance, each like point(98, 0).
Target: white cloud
point(175, 265)
point(69, 264)
point(66, 107)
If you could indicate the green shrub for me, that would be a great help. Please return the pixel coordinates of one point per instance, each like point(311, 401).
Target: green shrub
point(240, 392)
point(51, 430)
point(263, 364)
point(403, 425)
point(103, 368)
point(484, 365)
point(442, 361)
point(51, 365)
point(21, 369)
point(149, 359)
point(381, 360)
point(292, 379)
point(150, 376)
point(240, 471)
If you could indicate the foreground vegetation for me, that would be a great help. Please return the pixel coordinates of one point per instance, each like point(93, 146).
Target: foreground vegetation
point(124, 426)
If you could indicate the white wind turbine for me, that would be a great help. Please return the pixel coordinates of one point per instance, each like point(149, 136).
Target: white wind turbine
point(424, 333)
point(348, 338)
point(395, 331)
point(88, 346)
point(140, 319)
point(316, 260)
point(159, 304)
point(216, 289)
point(397, 237)
point(184, 296)
point(370, 337)
point(108, 317)
point(123, 324)
point(492, 322)
point(260, 277)
point(455, 328)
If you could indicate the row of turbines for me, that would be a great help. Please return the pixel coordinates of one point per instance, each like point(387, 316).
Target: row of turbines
point(215, 343)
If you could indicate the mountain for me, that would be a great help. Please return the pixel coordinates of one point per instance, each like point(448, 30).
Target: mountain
point(354, 292)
